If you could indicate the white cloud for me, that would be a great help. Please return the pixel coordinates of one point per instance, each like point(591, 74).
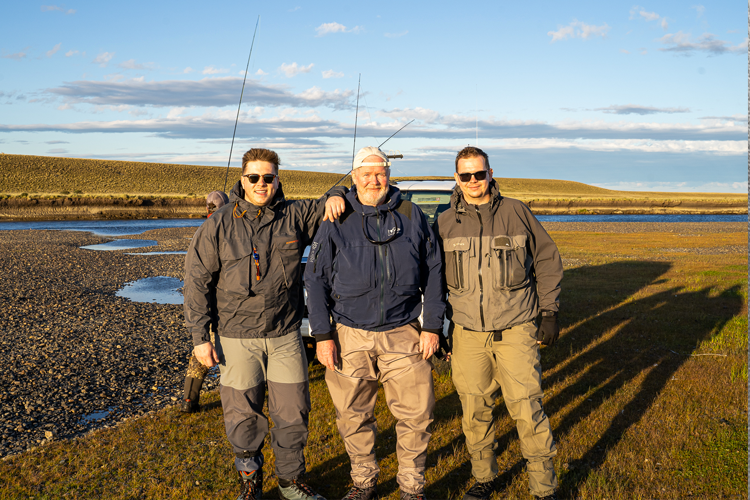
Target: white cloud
point(684, 43)
point(625, 51)
point(578, 29)
point(699, 10)
point(188, 70)
point(291, 70)
point(103, 58)
point(329, 73)
point(131, 64)
point(395, 35)
point(214, 91)
point(260, 72)
point(426, 115)
point(54, 49)
point(71, 53)
point(612, 145)
point(328, 28)
point(636, 11)
point(18, 55)
point(635, 109)
point(210, 70)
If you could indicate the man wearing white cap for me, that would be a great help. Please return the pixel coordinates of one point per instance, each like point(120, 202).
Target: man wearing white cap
point(368, 272)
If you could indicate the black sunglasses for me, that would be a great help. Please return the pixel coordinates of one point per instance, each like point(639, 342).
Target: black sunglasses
point(254, 178)
point(480, 176)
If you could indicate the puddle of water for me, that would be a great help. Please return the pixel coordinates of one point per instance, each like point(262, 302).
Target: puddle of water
point(157, 253)
point(97, 415)
point(122, 245)
point(159, 289)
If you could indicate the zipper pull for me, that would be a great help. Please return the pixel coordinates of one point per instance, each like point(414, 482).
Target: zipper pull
point(256, 258)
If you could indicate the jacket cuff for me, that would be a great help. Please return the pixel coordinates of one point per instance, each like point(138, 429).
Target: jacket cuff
point(200, 338)
point(320, 337)
point(436, 331)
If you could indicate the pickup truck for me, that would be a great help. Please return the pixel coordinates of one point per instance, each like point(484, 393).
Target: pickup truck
point(433, 197)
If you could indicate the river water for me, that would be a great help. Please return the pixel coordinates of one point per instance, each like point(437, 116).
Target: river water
point(130, 227)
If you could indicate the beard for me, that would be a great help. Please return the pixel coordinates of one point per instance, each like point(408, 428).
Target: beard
point(371, 196)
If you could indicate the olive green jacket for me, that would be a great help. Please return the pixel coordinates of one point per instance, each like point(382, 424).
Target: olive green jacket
point(501, 266)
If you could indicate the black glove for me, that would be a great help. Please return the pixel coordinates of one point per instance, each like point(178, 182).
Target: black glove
point(549, 328)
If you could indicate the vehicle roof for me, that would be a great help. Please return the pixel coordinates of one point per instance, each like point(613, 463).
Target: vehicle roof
point(426, 185)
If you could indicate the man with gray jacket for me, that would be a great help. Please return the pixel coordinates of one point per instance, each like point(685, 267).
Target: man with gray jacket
point(246, 260)
point(502, 269)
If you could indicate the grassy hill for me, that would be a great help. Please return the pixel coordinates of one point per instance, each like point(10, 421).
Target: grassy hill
point(45, 177)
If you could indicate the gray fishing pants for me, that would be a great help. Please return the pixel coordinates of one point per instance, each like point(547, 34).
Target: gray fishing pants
point(481, 368)
point(246, 366)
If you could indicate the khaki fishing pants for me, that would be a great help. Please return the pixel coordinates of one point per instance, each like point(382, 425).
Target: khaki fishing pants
point(481, 367)
point(394, 357)
point(247, 366)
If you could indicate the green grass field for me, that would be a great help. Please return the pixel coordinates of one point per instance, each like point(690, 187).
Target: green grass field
point(646, 391)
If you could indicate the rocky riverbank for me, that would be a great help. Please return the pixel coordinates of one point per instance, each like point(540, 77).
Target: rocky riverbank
point(77, 356)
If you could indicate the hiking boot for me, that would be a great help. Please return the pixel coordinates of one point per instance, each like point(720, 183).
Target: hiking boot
point(295, 489)
point(553, 496)
point(357, 493)
point(480, 491)
point(189, 406)
point(251, 484)
point(413, 496)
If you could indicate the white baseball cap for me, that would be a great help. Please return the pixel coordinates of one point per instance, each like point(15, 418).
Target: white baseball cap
point(359, 160)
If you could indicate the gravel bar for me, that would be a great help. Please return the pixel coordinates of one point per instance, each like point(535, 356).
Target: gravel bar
point(78, 356)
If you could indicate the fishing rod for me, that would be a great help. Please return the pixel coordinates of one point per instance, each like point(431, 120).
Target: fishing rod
point(355, 142)
point(240, 104)
point(354, 146)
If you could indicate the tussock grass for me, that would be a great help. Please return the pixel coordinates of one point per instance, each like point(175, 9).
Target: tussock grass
point(44, 175)
point(646, 391)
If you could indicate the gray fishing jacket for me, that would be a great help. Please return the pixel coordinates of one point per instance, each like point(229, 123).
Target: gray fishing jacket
point(255, 297)
point(501, 266)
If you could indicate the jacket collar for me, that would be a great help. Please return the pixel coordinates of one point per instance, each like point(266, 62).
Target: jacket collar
point(392, 199)
point(458, 203)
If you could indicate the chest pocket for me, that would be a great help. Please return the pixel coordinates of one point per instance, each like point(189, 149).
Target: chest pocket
point(458, 252)
point(353, 270)
point(236, 266)
point(403, 265)
point(289, 250)
point(508, 262)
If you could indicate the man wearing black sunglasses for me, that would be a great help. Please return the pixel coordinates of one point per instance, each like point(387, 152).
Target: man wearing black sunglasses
point(368, 273)
point(246, 259)
point(502, 270)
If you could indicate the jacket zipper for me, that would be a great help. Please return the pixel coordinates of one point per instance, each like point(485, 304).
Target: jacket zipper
point(382, 275)
point(481, 289)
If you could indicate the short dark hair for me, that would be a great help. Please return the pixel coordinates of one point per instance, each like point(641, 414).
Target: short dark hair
point(472, 152)
point(260, 154)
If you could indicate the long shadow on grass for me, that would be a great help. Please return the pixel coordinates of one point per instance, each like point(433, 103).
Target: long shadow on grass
point(653, 335)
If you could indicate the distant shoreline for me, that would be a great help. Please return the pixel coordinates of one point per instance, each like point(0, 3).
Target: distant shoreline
point(99, 208)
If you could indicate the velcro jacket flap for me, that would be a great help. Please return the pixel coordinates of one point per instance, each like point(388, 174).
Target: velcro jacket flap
point(459, 244)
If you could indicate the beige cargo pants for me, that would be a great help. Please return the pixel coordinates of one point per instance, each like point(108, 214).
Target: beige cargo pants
point(481, 368)
point(394, 358)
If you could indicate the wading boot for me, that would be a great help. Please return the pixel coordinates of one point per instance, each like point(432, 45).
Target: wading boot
point(251, 484)
point(357, 493)
point(413, 496)
point(295, 489)
point(480, 491)
point(192, 394)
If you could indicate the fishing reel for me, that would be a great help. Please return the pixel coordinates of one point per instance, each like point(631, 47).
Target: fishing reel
point(392, 155)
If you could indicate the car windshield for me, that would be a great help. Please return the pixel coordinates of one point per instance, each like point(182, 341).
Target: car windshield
point(432, 203)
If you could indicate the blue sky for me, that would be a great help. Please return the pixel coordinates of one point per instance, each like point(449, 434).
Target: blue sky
point(648, 96)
